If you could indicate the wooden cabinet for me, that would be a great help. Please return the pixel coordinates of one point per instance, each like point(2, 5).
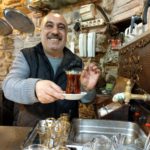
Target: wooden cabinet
point(134, 61)
point(124, 9)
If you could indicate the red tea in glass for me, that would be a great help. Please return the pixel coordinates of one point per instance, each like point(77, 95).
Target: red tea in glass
point(73, 82)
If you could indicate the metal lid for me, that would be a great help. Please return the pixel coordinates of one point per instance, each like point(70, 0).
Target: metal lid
point(5, 28)
point(18, 20)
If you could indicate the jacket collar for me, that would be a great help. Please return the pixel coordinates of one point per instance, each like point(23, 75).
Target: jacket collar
point(70, 60)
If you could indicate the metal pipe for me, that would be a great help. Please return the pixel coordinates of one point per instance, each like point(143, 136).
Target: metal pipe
point(127, 95)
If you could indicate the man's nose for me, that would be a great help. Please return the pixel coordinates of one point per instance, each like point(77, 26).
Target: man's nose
point(55, 30)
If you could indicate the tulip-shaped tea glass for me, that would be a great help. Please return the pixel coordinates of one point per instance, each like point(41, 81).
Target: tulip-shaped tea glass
point(73, 82)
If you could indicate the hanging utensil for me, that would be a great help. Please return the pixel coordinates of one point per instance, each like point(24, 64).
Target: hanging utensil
point(18, 20)
point(5, 28)
point(134, 20)
point(147, 5)
point(144, 26)
point(143, 19)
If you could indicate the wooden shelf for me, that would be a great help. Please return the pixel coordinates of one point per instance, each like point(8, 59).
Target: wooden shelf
point(123, 10)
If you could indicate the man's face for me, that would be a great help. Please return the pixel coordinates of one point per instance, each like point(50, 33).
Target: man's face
point(54, 34)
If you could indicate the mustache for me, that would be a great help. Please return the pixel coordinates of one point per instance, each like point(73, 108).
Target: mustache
point(54, 36)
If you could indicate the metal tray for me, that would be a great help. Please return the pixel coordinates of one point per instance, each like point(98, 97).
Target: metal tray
point(18, 20)
point(5, 28)
point(84, 130)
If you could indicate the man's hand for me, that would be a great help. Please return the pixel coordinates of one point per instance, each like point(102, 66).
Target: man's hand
point(90, 76)
point(48, 92)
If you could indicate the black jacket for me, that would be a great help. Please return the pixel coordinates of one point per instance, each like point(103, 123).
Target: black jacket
point(40, 67)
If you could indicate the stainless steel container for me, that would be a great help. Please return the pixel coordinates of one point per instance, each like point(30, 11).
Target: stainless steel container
point(84, 130)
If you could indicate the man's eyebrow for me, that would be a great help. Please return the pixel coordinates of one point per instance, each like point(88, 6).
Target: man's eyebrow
point(49, 22)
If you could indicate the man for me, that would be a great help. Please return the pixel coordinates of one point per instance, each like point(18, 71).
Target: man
point(37, 79)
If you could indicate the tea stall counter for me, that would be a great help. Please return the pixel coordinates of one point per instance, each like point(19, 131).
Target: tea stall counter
point(12, 137)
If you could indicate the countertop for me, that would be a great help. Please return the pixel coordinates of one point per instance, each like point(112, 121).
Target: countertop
point(12, 137)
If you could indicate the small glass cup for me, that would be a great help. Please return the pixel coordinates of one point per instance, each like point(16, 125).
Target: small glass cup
point(42, 131)
point(73, 82)
point(50, 134)
point(64, 123)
